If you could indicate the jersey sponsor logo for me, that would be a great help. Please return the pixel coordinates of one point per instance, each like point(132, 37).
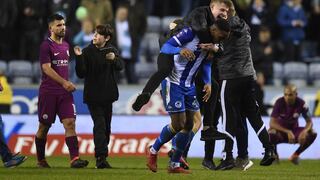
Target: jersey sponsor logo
point(63, 62)
point(120, 144)
point(56, 54)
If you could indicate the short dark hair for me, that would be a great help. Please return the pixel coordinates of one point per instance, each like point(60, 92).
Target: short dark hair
point(105, 30)
point(55, 17)
point(223, 25)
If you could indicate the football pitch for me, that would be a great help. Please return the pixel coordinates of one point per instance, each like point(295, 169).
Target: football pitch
point(134, 168)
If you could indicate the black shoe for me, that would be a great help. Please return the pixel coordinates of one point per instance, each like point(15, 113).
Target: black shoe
point(268, 158)
point(141, 100)
point(226, 164)
point(208, 164)
point(212, 134)
point(102, 163)
point(243, 163)
point(79, 163)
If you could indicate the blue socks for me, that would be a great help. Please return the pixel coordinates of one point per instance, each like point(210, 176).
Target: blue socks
point(166, 135)
point(182, 140)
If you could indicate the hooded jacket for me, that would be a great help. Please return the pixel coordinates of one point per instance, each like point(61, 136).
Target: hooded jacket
point(100, 86)
point(236, 60)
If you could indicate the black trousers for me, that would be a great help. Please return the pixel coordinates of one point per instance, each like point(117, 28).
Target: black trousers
point(130, 71)
point(165, 65)
point(237, 103)
point(211, 112)
point(210, 109)
point(101, 116)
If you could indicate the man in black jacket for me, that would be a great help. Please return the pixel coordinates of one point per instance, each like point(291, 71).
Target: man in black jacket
point(237, 97)
point(200, 19)
point(97, 64)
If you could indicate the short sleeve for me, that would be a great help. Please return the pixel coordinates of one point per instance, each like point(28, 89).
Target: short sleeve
point(276, 110)
point(44, 55)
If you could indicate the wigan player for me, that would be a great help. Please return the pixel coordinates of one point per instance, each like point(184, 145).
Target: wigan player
point(179, 93)
point(55, 93)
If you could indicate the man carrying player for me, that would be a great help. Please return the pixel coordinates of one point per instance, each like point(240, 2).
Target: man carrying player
point(178, 91)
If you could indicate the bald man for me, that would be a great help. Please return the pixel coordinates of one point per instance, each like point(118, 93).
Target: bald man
point(284, 126)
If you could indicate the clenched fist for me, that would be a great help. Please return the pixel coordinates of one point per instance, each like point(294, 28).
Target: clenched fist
point(188, 54)
point(110, 56)
point(77, 50)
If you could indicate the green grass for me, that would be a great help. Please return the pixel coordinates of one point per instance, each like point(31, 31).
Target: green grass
point(134, 168)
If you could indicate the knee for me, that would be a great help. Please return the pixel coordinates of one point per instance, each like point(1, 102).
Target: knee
point(178, 125)
point(188, 126)
point(273, 136)
point(69, 124)
point(312, 135)
point(42, 130)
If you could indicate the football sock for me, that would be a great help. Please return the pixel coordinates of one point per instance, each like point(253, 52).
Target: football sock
point(72, 143)
point(186, 151)
point(166, 135)
point(182, 140)
point(309, 140)
point(40, 146)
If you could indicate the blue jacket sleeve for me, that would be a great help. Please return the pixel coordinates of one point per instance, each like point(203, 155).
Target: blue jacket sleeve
point(174, 44)
point(168, 48)
point(206, 69)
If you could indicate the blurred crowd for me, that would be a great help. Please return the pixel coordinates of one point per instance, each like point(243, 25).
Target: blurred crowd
point(282, 30)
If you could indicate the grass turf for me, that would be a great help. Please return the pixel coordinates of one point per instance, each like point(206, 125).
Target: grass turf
point(134, 168)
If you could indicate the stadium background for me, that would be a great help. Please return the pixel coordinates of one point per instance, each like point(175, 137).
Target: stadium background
point(132, 131)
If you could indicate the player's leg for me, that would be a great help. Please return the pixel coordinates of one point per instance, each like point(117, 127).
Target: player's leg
point(166, 134)
point(46, 115)
point(277, 137)
point(311, 136)
point(173, 101)
point(67, 114)
point(165, 65)
point(9, 160)
point(251, 110)
point(182, 140)
point(4, 149)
